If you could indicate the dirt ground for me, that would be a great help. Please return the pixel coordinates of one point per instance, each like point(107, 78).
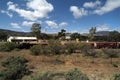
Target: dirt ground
point(101, 69)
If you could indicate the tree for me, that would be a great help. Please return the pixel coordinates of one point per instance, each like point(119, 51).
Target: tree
point(3, 36)
point(36, 29)
point(61, 34)
point(92, 31)
point(75, 36)
point(114, 36)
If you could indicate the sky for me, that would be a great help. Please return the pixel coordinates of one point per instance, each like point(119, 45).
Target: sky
point(54, 15)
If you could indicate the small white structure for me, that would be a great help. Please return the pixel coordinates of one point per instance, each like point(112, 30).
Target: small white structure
point(87, 41)
point(67, 37)
point(21, 39)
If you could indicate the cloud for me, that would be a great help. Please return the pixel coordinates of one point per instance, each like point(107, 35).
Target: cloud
point(15, 25)
point(109, 6)
point(96, 8)
point(78, 13)
point(26, 23)
point(103, 27)
point(7, 12)
point(53, 24)
point(63, 24)
point(35, 9)
point(92, 4)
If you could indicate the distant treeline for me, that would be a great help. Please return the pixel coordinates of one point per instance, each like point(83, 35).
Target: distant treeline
point(113, 36)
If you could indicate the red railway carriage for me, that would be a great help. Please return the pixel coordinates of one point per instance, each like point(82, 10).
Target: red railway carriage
point(104, 44)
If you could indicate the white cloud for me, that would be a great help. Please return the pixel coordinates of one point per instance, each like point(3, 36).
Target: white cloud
point(110, 5)
point(26, 23)
point(63, 24)
point(103, 27)
point(37, 9)
point(7, 12)
point(52, 24)
point(15, 25)
point(92, 4)
point(96, 8)
point(78, 13)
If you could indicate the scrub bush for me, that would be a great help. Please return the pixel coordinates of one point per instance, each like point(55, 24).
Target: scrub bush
point(115, 76)
point(6, 47)
point(74, 74)
point(15, 68)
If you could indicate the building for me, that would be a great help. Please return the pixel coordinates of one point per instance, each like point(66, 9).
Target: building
point(67, 36)
point(21, 39)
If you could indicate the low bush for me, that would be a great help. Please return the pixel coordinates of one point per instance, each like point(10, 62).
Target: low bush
point(56, 47)
point(71, 47)
point(115, 76)
point(85, 48)
point(74, 74)
point(15, 68)
point(111, 53)
point(40, 50)
point(36, 49)
point(45, 76)
point(115, 65)
point(7, 46)
point(41, 76)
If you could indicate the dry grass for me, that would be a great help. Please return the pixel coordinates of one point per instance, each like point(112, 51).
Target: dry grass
point(100, 69)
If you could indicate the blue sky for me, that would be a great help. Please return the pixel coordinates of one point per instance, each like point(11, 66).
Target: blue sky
point(54, 15)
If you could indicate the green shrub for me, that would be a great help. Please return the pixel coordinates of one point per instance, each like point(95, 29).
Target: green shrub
point(100, 53)
point(85, 48)
point(111, 53)
point(40, 50)
point(35, 50)
point(71, 47)
point(115, 76)
point(42, 76)
point(56, 47)
point(45, 76)
point(7, 46)
point(115, 65)
point(15, 68)
point(74, 74)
